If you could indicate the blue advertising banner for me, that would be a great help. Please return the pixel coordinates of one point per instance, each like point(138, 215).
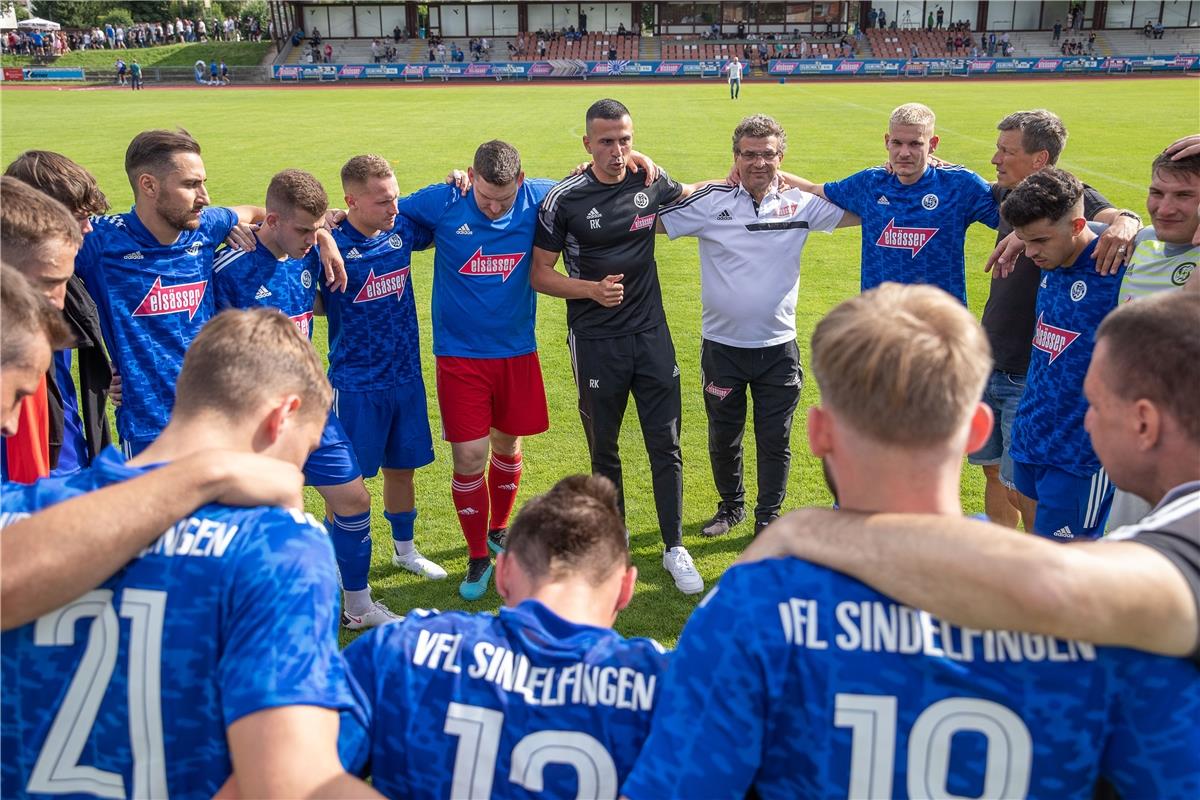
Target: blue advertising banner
point(834, 67)
point(52, 73)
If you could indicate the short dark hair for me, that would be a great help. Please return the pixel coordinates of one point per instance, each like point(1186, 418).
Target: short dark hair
point(24, 312)
point(1189, 165)
point(575, 528)
point(28, 219)
point(297, 189)
point(605, 109)
point(152, 151)
point(241, 357)
point(62, 179)
point(497, 162)
point(1049, 193)
point(1154, 348)
point(1040, 130)
point(360, 169)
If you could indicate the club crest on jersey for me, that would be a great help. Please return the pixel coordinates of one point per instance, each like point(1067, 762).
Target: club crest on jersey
point(502, 265)
point(386, 285)
point(306, 279)
point(929, 202)
point(911, 239)
point(641, 200)
point(640, 223)
point(1181, 274)
point(1078, 291)
point(171, 299)
point(1052, 340)
point(303, 322)
point(395, 242)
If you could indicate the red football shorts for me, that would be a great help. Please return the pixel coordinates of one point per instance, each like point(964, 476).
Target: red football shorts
point(478, 394)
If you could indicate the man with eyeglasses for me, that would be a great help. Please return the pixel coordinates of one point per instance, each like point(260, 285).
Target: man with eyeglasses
point(751, 236)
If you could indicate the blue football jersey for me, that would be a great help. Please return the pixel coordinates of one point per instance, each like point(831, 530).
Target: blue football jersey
point(374, 342)
point(483, 304)
point(128, 690)
point(249, 279)
point(1071, 303)
point(916, 234)
point(153, 299)
point(518, 704)
point(803, 682)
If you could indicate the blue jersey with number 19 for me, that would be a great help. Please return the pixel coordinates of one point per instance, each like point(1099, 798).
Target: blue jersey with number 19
point(483, 304)
point(153, 299)
point(916, 233)
point(803, 682)
point(516, 704)
point(127, 690)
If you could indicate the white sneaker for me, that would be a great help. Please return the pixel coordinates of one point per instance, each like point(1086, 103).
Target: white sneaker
point(378, 614)
point(415, 562)
point(678, 562)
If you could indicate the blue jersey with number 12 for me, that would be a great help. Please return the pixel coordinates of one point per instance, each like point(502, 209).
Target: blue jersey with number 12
point(517, 704)
point(127, 691)
point(916, 233)
point(803, 682)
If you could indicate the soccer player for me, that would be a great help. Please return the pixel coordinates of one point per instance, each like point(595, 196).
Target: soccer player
point(1027, 141)
point(78, 420)
point(149, 269)
point(282, 272)
point(603, 222)
point(374, 352)
point(751, 236)
point(915, 216)
point(489, 379)
point(1063, 488)
point(542, 697)
point(220, 639)
point(827, 687)
point(38, 237)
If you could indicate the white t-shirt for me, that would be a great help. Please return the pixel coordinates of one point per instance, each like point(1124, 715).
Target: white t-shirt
point(735, 70)
point(749, 258)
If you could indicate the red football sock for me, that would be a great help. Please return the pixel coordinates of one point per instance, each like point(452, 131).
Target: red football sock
point(504, 476)
point(471, 501)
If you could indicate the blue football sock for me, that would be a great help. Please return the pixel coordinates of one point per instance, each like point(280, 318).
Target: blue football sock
point(351, 537)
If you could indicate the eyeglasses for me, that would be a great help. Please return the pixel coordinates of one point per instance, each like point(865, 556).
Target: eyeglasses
point(751, 156)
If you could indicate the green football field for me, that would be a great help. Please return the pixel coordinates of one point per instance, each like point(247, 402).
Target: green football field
point(835, 128)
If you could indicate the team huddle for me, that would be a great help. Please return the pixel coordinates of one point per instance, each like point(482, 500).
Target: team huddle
point(205, 662)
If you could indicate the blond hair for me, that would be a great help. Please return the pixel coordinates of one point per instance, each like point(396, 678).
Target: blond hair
point(903, 365)
point(241, 358)
point(360, 169)
point(915, 114)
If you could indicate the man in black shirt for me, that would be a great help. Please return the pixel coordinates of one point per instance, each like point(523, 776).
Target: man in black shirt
point(1028, 141)
point(602, 222)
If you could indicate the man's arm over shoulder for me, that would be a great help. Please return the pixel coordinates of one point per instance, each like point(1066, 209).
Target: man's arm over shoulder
point(980, 575)
point(426, 206)
point(691, 215)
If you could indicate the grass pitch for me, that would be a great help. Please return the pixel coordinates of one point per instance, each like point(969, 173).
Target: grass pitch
point(835, 128)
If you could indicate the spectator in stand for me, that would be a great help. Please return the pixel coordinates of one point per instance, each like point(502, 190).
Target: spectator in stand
point(1057, 30)
point(315, 38)
point(328, 53)
point(940, 16)
point(1158, 30)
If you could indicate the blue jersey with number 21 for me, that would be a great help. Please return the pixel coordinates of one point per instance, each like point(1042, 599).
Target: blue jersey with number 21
point(127, 690)
point(803, 682)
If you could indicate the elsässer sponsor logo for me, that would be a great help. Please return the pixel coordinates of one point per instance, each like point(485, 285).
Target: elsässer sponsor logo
point(171, 299)
point(901, 238)
point(640, 223)
point(381, 286)
point(481, 264)
point(1052, 340)
point(303, 322)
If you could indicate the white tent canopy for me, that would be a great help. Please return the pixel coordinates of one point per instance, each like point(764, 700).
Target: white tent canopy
point(38, 24)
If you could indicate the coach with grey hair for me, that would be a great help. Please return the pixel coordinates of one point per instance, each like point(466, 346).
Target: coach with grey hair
point(751, 236)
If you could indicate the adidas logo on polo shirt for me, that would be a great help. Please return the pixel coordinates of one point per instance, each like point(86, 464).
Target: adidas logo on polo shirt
point(262, 293)
point(883, 201)
point(594, 214)
point(1064, 533)
point(464, 230)
point(354, 253)
point(136, 255)
point(724, 216)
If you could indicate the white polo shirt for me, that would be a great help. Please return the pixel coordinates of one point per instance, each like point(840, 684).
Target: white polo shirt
point(735, 71)
point(749, 258)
